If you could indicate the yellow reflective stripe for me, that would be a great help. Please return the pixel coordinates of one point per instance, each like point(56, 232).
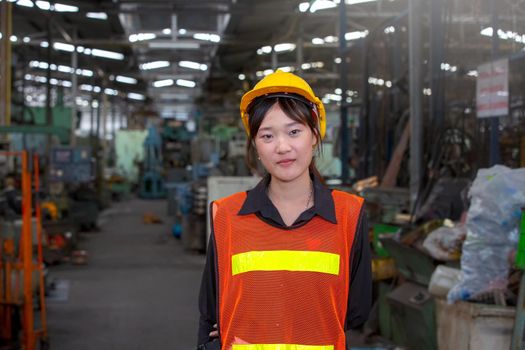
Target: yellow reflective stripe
point(281, 347)
point(289, 260)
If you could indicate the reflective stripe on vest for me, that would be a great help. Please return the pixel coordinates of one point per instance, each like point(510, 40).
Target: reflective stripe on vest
point(287, 260)
point(281, 347)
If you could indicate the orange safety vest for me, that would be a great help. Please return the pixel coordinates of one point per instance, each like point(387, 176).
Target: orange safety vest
point(283, 289)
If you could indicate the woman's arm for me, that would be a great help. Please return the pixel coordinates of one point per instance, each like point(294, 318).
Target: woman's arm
point(360, 295)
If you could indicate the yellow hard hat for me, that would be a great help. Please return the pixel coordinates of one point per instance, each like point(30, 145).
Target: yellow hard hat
point(283, 82)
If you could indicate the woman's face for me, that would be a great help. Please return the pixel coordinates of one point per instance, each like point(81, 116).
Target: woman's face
point(284, 146)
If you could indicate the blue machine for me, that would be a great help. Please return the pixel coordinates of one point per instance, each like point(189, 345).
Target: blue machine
point(152, 181)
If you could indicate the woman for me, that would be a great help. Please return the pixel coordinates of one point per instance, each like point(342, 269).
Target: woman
point(288, 265)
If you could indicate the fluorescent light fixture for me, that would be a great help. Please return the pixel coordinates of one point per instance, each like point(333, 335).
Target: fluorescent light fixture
point(487, 31)
point(107, 54)
point(322, 5)
point(353, 2)
point(284, 47)
point(86, 87)
point(447, 67)
point(427, 92)
point(170, 44)
point(472, 73)
point(135, 96)
point(111, 92)
point(26, 39)
point(87, 51)
point(338, 60)
point(193, 65)
point(96, 89)
point(43, 5)
point(287, 69)
point(63, 47)
point(333, 97)
point(183, 31)
point(166, 31)
point(388, 84)
point(259, 74)
point(163, 83)
point(65, 69)
point(338, 91)
point(356, 35)
point(44, 44)
point(154, 65)
point(125, 80)
point(97, 15)
point(317, 41)
point(310, 65)
point(331, 39)
point(389, 30)
point(65, 83)
point(1, 35)
point(13, 38)
point(264, 50)
point(207, 37)
point(185, 83)
point(267, 72)
point(141, 37)
point(304, 6)
point(26, 3)
point(64, 8)
point(242, 77)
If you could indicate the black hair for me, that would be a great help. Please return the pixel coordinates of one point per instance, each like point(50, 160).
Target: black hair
point(296, 108)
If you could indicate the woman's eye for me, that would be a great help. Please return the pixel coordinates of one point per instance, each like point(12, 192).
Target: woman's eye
point(295, 132)
point(266, 137)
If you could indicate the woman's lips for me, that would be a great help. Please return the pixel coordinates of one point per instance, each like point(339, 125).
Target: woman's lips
point(285, 162)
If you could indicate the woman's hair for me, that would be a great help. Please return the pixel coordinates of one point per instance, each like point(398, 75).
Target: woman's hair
point(294, 108)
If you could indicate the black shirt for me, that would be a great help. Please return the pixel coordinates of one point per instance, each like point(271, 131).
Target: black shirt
point(257, 202)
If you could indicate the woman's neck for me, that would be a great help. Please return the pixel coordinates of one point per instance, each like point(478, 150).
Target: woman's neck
point(297, 189)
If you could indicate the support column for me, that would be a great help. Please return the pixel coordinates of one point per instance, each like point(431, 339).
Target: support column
point(495, 157)
point(74, 93)
point(5, 62)
point(436, 58)
point(343, 85)
point(416, 95)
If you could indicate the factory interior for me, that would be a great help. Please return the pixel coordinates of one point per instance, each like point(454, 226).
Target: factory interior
point(120, 125)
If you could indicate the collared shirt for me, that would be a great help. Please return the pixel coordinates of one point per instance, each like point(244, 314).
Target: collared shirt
point(257, 202)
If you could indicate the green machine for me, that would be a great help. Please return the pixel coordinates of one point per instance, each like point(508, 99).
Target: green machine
point(407, 312)
point(519, 326)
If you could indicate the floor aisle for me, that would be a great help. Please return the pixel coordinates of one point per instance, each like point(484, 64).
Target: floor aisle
point(138, 291)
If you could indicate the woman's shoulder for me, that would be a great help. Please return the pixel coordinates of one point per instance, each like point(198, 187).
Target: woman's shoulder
point(231, 200)
point(339, 195)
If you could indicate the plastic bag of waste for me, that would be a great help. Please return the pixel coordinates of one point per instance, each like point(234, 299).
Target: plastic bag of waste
point(497, 196)
point(445, 243)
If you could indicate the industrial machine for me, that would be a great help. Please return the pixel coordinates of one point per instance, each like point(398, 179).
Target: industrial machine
point(152, 182)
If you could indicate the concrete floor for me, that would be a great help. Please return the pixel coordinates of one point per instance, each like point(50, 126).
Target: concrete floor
point(138, 291)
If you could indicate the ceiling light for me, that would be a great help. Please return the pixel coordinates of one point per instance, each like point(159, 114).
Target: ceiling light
point(356, 35)
point(86, 87)
point(264, 50)
point(390, 30)
point(317, 41)
point(322, 5)
point(44, 44)
point(63, 47)
point(338, 60)
point(141, 37)
point(304, 6)
point(207, 37)
point(267, 71)
point(43, 5)
point(193, 65)
point(13, 38)
point(183, 31)
point(26, 39)
point(135, 96)
point(242, 77)
point(353, 2)
point(26, 3)
point(487, 31)
point(97, 15)
point(163, 83)
point(286, 69)
point(125, 80)
point(170, 44)
point(107, 54)
point(388, 84)
point(154, 65)
point(185, 83)
point(64, 8)
point(427, 92)
point(331, 39)
point(338, 91)
point(472, 73)
point(65, 69)
point(284, 47)
point(166, 31)
point(111, 92)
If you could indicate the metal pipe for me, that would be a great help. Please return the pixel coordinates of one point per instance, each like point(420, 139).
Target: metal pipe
point(74, 92)
point(5, 63)
point(495, 157)
point(343, 85)
point(416, 90)
point(436, 58)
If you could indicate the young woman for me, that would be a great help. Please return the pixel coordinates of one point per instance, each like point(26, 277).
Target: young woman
point(288, 265)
